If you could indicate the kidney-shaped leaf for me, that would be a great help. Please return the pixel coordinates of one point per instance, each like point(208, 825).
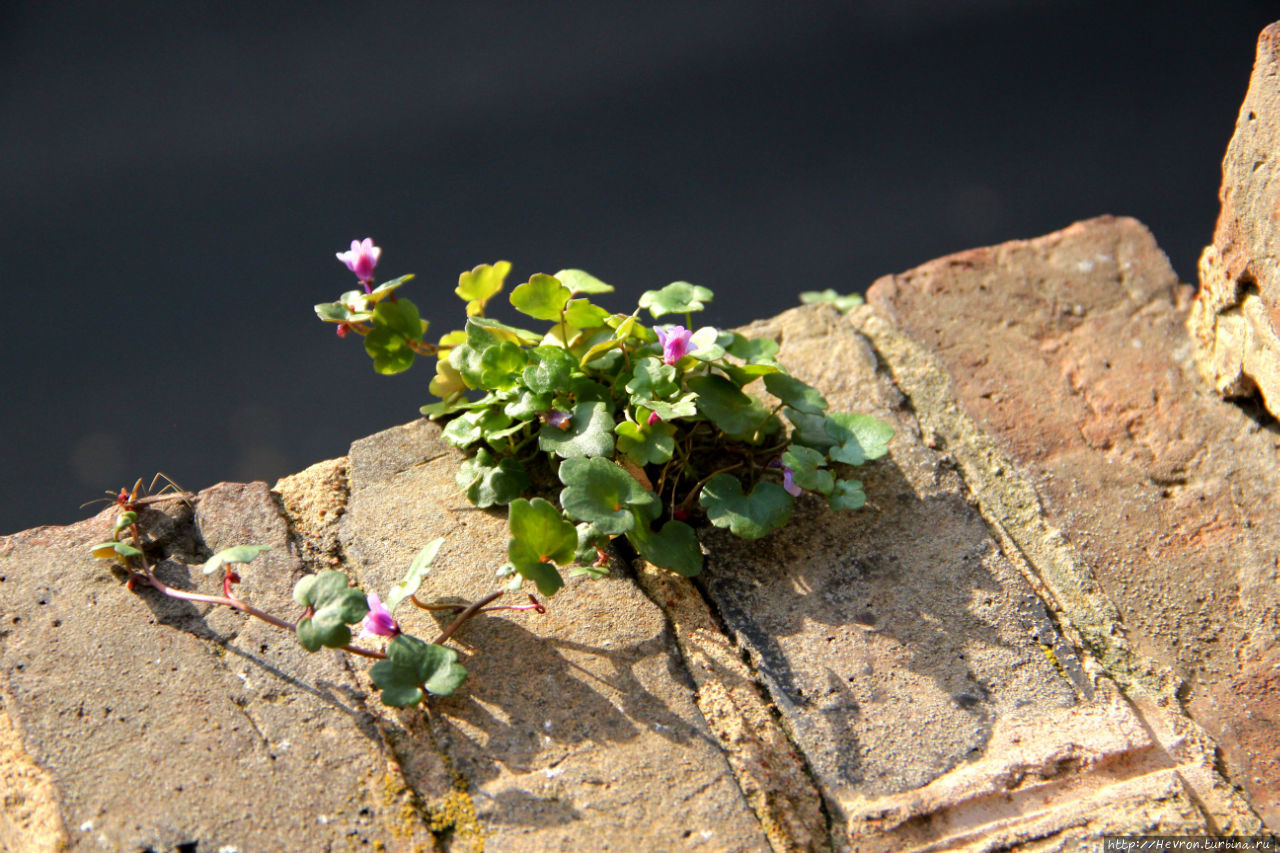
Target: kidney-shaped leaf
point(752, 516)
point(541, 297)
point(413, 666)
point(335, 605)
point(589, 433)
point(796, 394)
point(581, 281)
point(679, 297)
point(601, 492)
point(857, 437)
point(675, 547)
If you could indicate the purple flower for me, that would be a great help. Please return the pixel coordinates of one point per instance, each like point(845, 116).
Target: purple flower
point(789, 483)
point(788, 479)
point(558, 419)
point(362, 258)
point(675, 343)
point(378, 620)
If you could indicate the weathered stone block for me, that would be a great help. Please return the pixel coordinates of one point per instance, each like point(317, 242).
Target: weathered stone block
point(1057, 371)
point(1236, 316)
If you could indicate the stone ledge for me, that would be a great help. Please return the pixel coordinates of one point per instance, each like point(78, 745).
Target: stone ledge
point(1057, 373)
point(1060, 600)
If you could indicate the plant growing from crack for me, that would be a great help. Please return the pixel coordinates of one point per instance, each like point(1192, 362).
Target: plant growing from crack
point(600, 427)
point(407, 671)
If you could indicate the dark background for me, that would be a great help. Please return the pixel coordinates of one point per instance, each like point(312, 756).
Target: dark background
point(175, 181)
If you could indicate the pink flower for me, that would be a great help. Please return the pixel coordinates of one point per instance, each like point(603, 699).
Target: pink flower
point(675, 343)
point(378, 620)
point(653, 418)
point(362, 258)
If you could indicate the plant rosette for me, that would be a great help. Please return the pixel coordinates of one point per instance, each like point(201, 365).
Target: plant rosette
point(594, 425)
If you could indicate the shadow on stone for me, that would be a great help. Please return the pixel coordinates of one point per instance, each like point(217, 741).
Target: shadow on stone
point(882, 628)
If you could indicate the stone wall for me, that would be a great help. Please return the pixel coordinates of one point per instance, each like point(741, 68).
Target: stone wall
point(1058, 617)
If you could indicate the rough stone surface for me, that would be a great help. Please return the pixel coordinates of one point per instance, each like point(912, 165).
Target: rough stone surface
point(1058, 373)
point(771, 773)
point(1052, 782)
point(577, 729)
point(1236, 317)
point(935, 699)
point(159, 723)
point(1059, 604)
point(891, 638)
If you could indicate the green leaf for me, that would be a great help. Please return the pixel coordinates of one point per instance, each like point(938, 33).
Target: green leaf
point(843, 303)
point(675, 548)
point(745, 374)
point(847, 494)
point(440, 408)
point(590, 433)
point(603, 349)
point(385, 289)
point(724, 404)
point(704, 344)
point(333, 312)
point(108, 550)
point(125, 519)
point(589, 536)
point(752, 516)
point(646, 444)
point(238, 554)
point(462, 431)
point(540, 536)
point(418, 570)
point(501, 365)
point(413, 665)
point(468, 428)
point(752, 350)
point(358, 304)
point(401, 317)
point(538, 524)
point(857, 438)
point(395, 325)
point(681, 407)
point(303, 592)
point(487, 481)
point(543, 574)
point(651, 378)
point(601, 492)
point(335, 606)
point(810, 430)
point(798, 395)
point(584, 389)
point(481, 284)
point(581, 314)
point(580, 281)
point(448, 383)
point(504, 332)
point(807, 466)
point(549, 369)
point(679, 297)
point(541, 297)
point(453, 339)
point(527, 405)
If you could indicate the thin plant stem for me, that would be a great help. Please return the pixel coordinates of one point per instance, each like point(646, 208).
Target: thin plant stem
point(472, 610)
